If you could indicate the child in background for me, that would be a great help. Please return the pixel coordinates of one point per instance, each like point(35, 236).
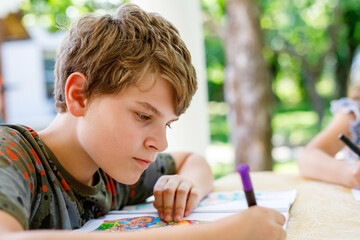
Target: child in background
point(320, 158)
point(120, 82)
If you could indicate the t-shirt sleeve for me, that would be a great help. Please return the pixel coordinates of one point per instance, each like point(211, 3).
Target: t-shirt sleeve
point(163, 165)
point(345, 105)
point(16, 177)
point(348, 105)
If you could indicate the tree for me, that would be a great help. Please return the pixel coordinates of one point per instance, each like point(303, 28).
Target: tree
point(248, 86)
point(312, 42)
point(308, 46)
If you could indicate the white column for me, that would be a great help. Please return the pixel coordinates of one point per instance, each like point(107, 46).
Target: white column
point(191, 132)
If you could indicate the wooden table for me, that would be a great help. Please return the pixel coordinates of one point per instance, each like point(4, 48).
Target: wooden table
point(320, 211)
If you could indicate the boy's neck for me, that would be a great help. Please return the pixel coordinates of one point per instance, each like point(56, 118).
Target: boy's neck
point(61, 137)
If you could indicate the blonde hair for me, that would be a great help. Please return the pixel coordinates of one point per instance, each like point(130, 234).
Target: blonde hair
point(116, 51)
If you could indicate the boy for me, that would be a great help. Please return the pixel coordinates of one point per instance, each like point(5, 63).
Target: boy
point(120, 82)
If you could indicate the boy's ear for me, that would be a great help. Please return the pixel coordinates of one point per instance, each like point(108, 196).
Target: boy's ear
point(74, 94)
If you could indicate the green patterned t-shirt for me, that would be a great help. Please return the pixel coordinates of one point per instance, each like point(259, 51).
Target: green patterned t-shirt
point(41, 194)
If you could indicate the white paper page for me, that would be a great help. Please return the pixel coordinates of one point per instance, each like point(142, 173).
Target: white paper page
point(356, 193)
point(95, 223)
point(213, 207)
point(230, 202)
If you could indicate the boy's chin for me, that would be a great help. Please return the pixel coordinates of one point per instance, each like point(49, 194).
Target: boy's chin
point(128, 181)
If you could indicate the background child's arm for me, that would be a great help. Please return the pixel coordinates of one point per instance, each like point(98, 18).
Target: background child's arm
point(176, 195)
point(318, 161)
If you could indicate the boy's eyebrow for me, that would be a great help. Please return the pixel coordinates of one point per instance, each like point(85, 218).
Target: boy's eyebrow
point(154, 109)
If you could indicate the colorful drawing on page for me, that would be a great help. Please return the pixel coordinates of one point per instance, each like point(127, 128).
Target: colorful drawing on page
point(218, 198)
point(221, 198)
point(140, 223)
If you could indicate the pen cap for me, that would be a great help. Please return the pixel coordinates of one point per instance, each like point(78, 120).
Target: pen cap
point(243, 170)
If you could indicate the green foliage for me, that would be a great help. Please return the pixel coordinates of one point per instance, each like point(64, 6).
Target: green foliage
point(218, 123)
point(218, 128)
point(303, 39)
point(55, 15)
point(300, 36)
point(222, 169)
point(214, 52)
point(310, 32)
point(215, 9)
point(286, 167)
point(296, 125)
point(215, 62)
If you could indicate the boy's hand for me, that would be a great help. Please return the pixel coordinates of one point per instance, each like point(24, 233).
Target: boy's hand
point(175, 197)
point(254, 223)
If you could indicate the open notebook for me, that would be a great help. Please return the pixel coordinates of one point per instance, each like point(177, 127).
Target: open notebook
point(356, 193)
point(213, 207)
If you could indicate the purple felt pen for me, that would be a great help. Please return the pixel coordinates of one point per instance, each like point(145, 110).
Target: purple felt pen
point(243, 170)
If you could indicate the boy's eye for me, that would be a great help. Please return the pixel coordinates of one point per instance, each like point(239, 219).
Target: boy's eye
point(143, 117)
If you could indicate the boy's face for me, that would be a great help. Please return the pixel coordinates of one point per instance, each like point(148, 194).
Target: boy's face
point(123, 133)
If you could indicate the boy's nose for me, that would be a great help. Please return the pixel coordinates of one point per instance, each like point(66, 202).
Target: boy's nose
point(157, 141)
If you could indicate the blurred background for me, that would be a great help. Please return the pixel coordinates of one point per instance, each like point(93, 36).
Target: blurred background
point(267, 69)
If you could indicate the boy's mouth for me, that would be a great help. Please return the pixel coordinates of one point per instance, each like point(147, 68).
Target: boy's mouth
point(143, 162)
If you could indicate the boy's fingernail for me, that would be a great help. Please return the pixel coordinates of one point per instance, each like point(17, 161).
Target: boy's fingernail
point(168, 218)
point(187, 213)
point(177, 218)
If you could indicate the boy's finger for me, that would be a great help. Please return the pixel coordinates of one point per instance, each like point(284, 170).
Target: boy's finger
point(280, 219)
point(277, 216)
point(283, 235)
point(158, 194)
point(169, 198)
point(181, 197)
point(159, 208)
point(192, 202)
point(161, 183)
